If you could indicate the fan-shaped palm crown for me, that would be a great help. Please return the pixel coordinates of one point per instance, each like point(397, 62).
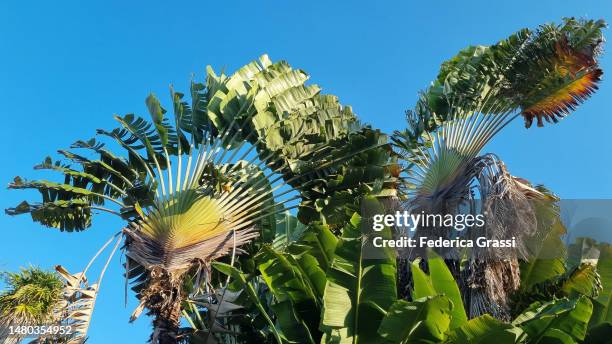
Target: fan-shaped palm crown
point(196, 186)
point(539, 75)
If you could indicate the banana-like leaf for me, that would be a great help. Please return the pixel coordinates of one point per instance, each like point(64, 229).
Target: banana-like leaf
point(51, 191)
point(313, 254)
point(484, 329)
point(602, 312)
point(293, 328)
point(424, 320)
point(285, 112)
point(321, 243)
point(599, 334)
point(157, 116)
point(68, 206)
point(294, 292)
point(292, 121)
point(118, 170)
point(48, 164)
point(538, 269)
point(358, 290)
point(296, 276)
point(250, 292)
point(570, 316)
point(66, 215)
point(118, 177)
point(440, 281)
point(591, 252)
point(604, 268)
point(581, 280)
point(602, 305)
point(287, 230)
point(335, 195)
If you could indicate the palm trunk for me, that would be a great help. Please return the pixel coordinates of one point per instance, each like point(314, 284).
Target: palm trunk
point(163, 297)
point(487, 287)
point(166, 328)
point(392, 204)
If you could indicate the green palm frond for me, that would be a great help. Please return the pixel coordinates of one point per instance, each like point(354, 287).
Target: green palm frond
point(30, 298)
point(200, 183)
point(581, 280)
point(226, 119)
point(67, 215)
point(542, 74)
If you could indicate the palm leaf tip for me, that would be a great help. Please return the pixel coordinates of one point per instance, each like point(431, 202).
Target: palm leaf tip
point(66, 215)
point(572, 75)
point(573, 91)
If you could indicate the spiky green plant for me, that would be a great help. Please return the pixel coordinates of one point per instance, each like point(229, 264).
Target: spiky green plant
point(31, 297)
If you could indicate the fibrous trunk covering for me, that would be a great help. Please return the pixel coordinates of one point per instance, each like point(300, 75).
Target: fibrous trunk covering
point(493, 274)
point(163, 296)
point(487, 286)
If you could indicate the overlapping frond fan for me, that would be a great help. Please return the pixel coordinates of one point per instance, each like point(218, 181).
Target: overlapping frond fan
point(448, 175)
point(294, 121)
point(444, 161)
point(196, 186)
point(542, 74)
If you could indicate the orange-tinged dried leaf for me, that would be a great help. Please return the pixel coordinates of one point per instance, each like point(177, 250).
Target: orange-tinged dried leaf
point(564, 100)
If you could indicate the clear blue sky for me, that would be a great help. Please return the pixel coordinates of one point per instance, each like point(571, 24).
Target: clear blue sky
point(66, 69)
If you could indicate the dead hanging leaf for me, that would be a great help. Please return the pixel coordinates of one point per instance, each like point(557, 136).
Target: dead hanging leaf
point(73, 280)
point(136, 313)
point(80, 301)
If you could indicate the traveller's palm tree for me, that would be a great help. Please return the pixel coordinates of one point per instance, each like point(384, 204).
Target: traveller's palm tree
point(196, 187)
point(539, 75)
